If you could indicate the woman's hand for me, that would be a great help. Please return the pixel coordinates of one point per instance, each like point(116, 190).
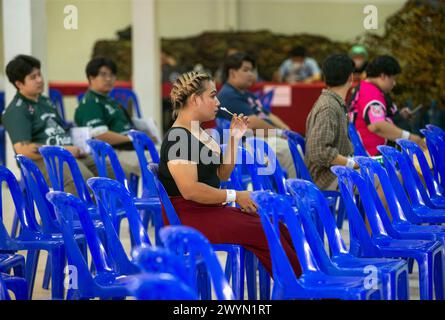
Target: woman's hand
point(245, 202)
point(238, 126)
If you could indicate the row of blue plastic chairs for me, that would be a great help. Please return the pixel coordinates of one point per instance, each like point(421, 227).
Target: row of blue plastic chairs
point(424, 285)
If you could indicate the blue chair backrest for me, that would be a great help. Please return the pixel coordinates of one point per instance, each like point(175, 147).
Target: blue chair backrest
point(27, 220)
point(266, 100)
point(124, 96)
point(412, 149)
point(301, 170)
point(395, 161)
point(435, 146)
point(169, 210)
point(111, 196)
point(80, 96)
point(359, 149)
point(297, 139)
point(69, 208)
point(4, 295)
point(262, 151)
point(55, 159)
point(161, 286)
point(395, 196)
point(160, 260)
point(192, 245)
point(277, 207)
point(100, 152)
point(222, 126)
point(244, 164)
point(308, 199)
point(57, 98)
point(36, 189)
point(360, 237)
point(141, 142)
point(2, 101)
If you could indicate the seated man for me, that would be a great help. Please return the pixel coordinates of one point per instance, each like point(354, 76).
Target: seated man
point(327, 141)
point(299, 68)
point(234, 95)
point(31, 120)
point(109, 121)
point(372, 109)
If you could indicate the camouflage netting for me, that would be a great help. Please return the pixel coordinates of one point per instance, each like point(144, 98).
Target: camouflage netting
point(415, 35)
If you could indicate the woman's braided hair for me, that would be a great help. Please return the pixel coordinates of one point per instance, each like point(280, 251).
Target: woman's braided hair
point(187, 84)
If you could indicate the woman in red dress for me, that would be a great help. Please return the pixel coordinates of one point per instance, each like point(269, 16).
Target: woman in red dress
point(192, 165)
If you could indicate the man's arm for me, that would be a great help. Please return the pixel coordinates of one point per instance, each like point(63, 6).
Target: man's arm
point(278, 122)
point(28, 149)
point(113, 138)
point(391, 132)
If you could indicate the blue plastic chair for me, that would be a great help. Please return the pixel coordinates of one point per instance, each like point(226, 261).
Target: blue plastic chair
point(16, 284)
point(15, 262)
point(267, 164)
point(112, 197)
point(32, 239)
point(235, 253)
point(36, 189)
point(57, 98)
point(397, 163)
point(124, 96)
point(3, 290)
point(359, 149)
point(401, 211)
point(148, 205)
point(435, 144)
point(266, 100)
point(435, 192)
point(113, 278)
point(297, 139)
point(384, 242)
point(190, 244)
point(392, 272)
point(313, 283)
point(161, 286)
point(80, 96)
point(223, 125)
point(333, 197)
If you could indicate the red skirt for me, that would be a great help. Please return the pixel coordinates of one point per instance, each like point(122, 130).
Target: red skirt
point(227, 225)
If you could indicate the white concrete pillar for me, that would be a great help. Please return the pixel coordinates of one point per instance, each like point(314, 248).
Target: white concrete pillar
point(24, 32)
point(146, 59)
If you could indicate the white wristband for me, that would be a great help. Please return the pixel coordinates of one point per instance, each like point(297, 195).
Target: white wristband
point(230, 195)
point(350, 163)
point(279, 132)
point(405, 134)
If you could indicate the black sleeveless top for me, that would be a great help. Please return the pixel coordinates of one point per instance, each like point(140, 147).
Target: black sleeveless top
point(179, 143)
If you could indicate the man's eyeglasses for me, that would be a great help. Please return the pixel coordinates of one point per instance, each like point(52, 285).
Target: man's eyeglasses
point(106, 75)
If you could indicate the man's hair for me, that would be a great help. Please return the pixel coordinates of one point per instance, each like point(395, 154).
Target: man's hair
point(235, 61)
point(21, 66)
point(92, 69)
point(337, 68)
point(385, 64)
point(298, 51)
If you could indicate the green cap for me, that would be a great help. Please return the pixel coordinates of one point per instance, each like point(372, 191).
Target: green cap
point(358, 50)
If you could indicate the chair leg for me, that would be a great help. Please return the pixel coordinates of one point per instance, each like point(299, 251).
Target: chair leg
point(264, 283)
point(439, 283)
point(32, 258)
point(19, 288)
point(238, 273)
point(251, 262)
point(47, 274)
point(425, 277)
point(15, 225)
point(57, 277)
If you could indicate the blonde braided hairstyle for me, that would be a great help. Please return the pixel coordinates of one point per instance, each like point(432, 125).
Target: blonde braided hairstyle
point(187, 84)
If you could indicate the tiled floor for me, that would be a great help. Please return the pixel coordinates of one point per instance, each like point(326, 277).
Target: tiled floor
point(41, 294)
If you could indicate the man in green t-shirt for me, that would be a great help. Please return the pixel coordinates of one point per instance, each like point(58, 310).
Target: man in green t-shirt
point(31, 120)
point(108, 120)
